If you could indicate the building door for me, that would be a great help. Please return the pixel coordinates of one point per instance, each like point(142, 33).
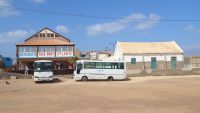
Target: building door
point(153, 63)
point(173, 62)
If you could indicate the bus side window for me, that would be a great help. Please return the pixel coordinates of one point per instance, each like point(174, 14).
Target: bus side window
point(99, 65)
point(114, 65)
point(120, 65)
point(107, 65)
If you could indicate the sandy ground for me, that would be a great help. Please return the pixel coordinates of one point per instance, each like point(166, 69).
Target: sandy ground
point(154, 94)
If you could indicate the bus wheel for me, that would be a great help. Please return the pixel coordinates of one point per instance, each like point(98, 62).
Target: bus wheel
point(85, 78)
point(110, 78)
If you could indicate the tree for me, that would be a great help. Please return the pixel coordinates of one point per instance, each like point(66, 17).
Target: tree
point(73, 60)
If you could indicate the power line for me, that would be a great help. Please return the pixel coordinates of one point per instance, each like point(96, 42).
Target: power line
point(92, 16)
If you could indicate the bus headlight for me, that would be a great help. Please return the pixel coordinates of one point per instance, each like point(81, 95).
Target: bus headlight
point(36, 77)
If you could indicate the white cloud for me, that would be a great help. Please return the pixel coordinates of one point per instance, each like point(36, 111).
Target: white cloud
point(119, 25)
point(62, 29)
point(111, 27)
point(135, 16)
point(13, 36)
point(150, 22)
point(7, 8)
point(192, 28)
point(38, 1)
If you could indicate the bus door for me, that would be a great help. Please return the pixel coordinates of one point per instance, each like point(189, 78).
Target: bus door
point(79, 68)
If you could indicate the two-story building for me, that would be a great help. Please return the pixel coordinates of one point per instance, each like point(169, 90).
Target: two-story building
point(45, 45)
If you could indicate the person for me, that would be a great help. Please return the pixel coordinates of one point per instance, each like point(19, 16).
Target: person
point(1, 72)
point(26, 70)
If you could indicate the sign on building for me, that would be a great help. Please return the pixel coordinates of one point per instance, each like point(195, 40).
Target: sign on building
point(27, 52)
point(64, 51)
point(46, 51)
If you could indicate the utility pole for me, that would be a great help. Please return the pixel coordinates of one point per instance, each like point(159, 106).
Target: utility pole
point(113, 45)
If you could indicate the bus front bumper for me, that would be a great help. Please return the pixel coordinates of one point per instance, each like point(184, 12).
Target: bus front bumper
point(43, 78)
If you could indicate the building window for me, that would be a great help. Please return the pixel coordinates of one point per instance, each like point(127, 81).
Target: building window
point(133, 60)
point(43, 35)
point(48, 34)
point(63, 48)
point(21, 49)
point(27, 51)
point(40, 34)
point(56, 35)
point(46, 49)
point(52, 34)
point(58, 48)
point(69, 48)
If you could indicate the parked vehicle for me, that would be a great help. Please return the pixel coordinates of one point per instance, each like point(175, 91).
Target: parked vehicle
point(99, 70)
point(43, 70)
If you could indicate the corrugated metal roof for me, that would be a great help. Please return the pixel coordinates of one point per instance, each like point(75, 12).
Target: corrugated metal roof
point(149, 47)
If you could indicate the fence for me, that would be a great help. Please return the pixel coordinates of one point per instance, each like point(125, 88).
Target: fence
point(55, 71)
point(192, 62)
point(5, 75)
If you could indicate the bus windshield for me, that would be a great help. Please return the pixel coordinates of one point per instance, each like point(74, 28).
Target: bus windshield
point(43, 66)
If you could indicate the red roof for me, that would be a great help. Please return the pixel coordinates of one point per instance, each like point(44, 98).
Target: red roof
point(45, 42)
point(36, 41)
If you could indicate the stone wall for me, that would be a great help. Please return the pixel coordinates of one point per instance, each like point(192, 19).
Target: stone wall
point(165, 73)
point(161, 65)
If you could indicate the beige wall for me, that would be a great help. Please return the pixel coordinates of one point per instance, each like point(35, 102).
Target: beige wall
point(194, 61)
point(76, 52)
point(161, 65)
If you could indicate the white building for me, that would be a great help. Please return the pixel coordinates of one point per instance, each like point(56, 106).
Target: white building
point(89, 55)
point(149, 55)
point(93, 55)
point(104, 54)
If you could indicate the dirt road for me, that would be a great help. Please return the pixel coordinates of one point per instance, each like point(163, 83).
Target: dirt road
point(168, 94)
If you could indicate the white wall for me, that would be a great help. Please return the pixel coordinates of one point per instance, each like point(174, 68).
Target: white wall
point(103, 56)
point(178, 57)
point(93, 55)
point(147, 58)
point(46, 31)
point(118, 54)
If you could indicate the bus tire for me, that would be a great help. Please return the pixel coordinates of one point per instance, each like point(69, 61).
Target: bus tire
point(110, 78)
point(84, 78)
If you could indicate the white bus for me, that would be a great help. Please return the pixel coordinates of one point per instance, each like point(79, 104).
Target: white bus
point(43, 70)
point(99, 70)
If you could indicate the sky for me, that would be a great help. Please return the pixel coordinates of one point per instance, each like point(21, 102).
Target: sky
point(18, 23)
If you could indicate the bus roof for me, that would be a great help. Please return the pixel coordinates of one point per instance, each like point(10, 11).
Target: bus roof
point(96, 61)
point(43, 61)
